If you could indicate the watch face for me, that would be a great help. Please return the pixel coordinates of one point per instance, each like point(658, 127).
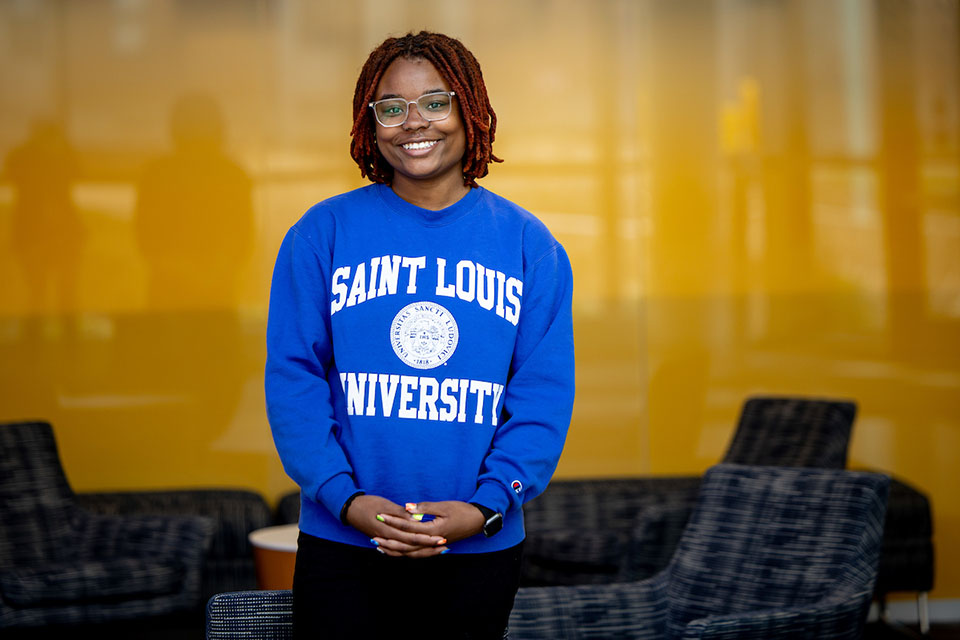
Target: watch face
point(493, 525)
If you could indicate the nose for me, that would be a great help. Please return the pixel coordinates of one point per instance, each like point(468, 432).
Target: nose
point(414, 120)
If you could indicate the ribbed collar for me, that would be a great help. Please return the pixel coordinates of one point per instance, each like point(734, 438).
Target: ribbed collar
point(428, 217)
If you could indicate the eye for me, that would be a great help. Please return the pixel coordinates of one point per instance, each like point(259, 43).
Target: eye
point(438, 103)
point(391, 110)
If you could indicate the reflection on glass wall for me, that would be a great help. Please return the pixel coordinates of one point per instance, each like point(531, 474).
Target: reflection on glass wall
point(756, 197)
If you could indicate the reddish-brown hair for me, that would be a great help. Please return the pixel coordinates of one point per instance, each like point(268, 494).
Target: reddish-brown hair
point(461, 71)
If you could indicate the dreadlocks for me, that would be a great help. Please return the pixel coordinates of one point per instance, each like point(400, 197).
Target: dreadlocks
point(461, 71)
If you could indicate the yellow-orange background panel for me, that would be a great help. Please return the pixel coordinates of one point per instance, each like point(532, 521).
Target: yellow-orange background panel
point(756, 198)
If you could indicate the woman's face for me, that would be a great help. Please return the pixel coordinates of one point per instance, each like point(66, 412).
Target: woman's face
point(420, 150)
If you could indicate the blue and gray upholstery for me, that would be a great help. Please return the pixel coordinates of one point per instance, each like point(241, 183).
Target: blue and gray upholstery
point(60, 564)
point(769, 552)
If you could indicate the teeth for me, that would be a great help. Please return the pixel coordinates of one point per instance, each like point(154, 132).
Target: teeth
point(419, 145)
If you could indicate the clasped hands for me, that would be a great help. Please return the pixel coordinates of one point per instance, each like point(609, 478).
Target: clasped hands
point(397, 533)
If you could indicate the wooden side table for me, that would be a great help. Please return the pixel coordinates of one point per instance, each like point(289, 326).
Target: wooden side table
point(275, 554)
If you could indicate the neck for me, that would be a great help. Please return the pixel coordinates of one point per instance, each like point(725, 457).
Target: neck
point(427, 194)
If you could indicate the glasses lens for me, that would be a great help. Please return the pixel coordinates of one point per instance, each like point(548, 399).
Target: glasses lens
point(390, 112)
point(434, 106)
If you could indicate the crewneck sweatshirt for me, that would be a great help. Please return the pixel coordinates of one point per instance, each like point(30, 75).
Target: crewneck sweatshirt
point(419, 355)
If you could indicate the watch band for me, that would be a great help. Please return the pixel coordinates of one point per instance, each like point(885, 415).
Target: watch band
point(346, 505)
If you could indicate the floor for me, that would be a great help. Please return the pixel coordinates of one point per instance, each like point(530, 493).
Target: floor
point(191, 628)
point(884, 631)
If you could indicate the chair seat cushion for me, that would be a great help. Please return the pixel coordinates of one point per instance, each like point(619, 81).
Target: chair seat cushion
point(89, 580)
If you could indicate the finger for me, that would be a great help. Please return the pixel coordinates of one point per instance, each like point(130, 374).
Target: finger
point(419, 553)
point(428, 552)
point(386, 532)
point(414, 510)
point(394, 510)
point(414, 539)
point(397, 549)
point(386, 526)
point(433, 508)
point(392, 544)
point(406, 524)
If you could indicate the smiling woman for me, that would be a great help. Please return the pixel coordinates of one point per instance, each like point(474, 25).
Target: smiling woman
point(454, 70)
point(404, 368)
point(425, 153)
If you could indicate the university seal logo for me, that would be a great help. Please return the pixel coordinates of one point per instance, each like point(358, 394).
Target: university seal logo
point(424, 335)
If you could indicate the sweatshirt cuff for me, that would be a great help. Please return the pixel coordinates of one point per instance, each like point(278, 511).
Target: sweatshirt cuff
point(493, 496)
point(335, 492)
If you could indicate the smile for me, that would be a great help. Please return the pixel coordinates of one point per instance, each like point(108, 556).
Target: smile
point(413, 146)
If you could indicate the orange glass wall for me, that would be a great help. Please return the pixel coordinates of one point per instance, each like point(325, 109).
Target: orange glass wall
point(757, 197)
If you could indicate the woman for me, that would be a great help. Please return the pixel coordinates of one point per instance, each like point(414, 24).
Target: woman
point(420, 374)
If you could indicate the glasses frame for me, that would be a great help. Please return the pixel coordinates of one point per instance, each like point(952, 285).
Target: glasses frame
point(373, 105)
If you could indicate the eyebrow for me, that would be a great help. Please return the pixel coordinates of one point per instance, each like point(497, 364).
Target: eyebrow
point(387, 96)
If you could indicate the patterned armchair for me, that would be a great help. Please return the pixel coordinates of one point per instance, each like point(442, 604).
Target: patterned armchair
point(60, 564)
point(250, 615)
point(596, 531)
point(769, 552)
point(228, 565)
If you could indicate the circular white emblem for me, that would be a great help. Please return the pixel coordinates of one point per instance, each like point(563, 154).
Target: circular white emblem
point(424, 335)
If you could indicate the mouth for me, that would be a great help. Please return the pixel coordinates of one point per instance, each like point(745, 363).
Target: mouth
point(419, 145)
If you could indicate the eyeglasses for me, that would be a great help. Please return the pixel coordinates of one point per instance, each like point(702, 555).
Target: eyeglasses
point(393, 112)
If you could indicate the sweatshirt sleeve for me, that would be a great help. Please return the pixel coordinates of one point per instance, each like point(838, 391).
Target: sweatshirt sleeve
point(299, 359)
point(538, 399)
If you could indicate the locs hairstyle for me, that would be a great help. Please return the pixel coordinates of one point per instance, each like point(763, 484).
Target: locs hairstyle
point(461, 71)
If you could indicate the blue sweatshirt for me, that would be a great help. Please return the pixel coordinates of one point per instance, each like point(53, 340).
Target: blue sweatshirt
point(419, 355)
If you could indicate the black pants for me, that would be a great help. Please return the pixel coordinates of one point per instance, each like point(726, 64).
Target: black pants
point(343, 591)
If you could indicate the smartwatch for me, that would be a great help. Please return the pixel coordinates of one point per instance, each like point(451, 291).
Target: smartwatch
point(492, 520)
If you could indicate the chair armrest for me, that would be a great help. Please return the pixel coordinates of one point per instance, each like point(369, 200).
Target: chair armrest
point(655, 535)
point(630, 609)
point(236, 512)
point(840, 616)
point(608, 504)
point(183, 537)
point(574, 556)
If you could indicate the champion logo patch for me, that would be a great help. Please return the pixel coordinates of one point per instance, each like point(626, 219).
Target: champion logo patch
point(517, 486)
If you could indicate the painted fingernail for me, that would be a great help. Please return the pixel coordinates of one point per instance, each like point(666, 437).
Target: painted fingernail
point(411, 506)
point(418, 516)
point(445, 551)
point(442, 541)
point(381, 551)
point(380, 518)
point(375, 543)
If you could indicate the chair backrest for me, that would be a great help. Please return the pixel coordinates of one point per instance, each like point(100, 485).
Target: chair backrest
point(774, 537)
point(36, 503)
point(263, 615)
point(793, 432)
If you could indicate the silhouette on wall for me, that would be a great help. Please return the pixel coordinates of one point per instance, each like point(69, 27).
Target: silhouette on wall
point(194, 218)
point(47, 233)
point(194, 228)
